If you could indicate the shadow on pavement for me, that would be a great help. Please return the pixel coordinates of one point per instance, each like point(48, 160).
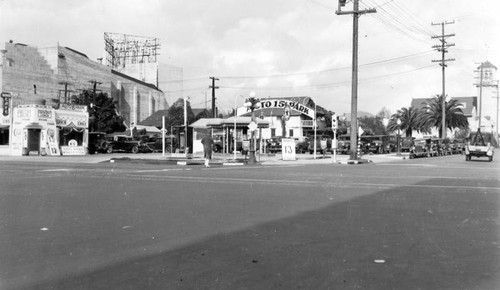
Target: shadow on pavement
point(394, 239)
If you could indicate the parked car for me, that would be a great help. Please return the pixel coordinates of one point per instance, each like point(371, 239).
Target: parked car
point(127, 144)
point(376, 144)
point(406, 143)
point(457, 146)
point(432, 147)
point(155, 144)
point(419, 149)
point(273, 145)
point(98, 143)
point(446, 147)
point(321, 145)
point(301, 146)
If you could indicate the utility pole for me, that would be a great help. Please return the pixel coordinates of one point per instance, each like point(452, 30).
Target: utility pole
point(213, 87)
point(480, 94)
point(496, 123)
point(94, 84)
point(65, 91)
point(442, 62)
point(354, 88)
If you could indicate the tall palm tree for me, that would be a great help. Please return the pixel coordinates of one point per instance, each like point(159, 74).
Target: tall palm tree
point(432, 115)
point(409, 118)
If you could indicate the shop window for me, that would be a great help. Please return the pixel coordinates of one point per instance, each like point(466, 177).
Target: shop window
point(4, 136)
point(68, 134)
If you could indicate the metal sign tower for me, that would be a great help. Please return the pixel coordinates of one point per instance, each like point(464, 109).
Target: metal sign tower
point(123, 49)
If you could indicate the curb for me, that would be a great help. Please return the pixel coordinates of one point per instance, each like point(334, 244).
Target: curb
point(172, 162)
point(351, 162)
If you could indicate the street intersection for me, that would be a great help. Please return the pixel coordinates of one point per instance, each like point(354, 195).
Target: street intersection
point(401, 224)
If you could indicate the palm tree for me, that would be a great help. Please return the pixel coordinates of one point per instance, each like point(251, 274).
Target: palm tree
point(410, 120)
point(432, 115)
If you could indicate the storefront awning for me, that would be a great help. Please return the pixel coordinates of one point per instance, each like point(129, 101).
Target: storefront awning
point(243, 121)
point(206, 123)
point(73, 119)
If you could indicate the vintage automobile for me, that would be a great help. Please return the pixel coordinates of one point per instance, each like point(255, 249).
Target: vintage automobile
point(273, 145)
point(343, 147)
point(406, 143)
point(440, 147)
point(218, 146)
point(446, 146)
point(480, 145)
point(98, 143)
point(432, 147)
point(375, 144)
point(323, 144)
point(155, 144)
point(343, 144)
point(457, 146)
point(125, 143)
point(419, 149)
point(301, 146)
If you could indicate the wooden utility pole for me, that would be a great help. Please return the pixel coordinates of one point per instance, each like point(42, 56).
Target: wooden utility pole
point(354, 88)
point(65, 92)
point(442, 62)
point(95, 83)
point(213, 87)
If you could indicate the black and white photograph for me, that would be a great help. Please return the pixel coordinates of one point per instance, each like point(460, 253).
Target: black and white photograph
point(235, 144)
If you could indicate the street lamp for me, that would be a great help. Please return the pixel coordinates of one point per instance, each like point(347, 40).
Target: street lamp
point(252, 103)
point(398, 122)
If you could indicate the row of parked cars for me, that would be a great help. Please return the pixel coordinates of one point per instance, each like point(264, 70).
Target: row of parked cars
point(431, 147)
point(103, 143)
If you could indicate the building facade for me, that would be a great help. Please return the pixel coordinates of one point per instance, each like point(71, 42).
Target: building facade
point(292, 117)
point(487, 93)
point(51, 76)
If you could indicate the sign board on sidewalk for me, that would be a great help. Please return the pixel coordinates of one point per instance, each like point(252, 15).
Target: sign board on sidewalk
point(288, 149)
point(246, 145)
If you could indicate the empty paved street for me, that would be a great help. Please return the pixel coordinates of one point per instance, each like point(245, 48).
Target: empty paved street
point(427, 223)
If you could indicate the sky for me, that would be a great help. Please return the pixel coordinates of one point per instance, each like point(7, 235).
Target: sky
point(281, 48)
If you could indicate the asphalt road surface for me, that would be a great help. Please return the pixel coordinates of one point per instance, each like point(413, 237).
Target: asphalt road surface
point(429, 223)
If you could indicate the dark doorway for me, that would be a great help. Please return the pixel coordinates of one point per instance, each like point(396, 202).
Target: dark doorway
point(34, 140)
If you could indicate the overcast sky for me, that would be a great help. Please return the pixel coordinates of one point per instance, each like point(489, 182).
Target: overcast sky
point(280, 48)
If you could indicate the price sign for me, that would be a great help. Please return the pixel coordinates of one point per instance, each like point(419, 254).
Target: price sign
point(288, 149)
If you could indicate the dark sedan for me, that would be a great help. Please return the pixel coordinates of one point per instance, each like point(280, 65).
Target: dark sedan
point(127, 144)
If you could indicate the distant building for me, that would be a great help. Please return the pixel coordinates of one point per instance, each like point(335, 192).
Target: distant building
point(487, 93)
point(50, 76)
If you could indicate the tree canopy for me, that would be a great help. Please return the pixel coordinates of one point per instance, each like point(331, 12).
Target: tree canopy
point(103, 116)
point(454, 116)
point(409, 120)
point(175, 115)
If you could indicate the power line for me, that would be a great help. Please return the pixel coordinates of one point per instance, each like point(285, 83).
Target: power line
point(398, 18)
point(325, 85)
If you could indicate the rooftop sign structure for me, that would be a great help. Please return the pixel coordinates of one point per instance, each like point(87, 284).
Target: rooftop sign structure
point(123, 49)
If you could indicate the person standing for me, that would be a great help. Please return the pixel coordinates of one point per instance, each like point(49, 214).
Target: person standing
point(208, 143)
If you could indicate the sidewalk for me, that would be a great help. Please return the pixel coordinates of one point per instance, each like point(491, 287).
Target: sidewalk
point(197, 159)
